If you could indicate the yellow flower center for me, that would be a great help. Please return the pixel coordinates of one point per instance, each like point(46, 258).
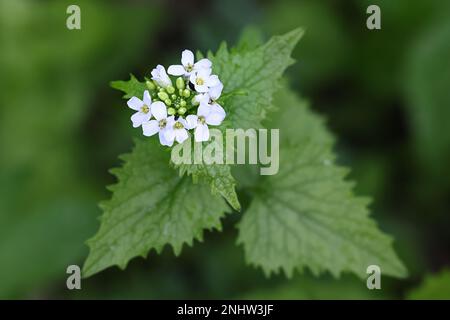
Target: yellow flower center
point(145, 109)
point(199, 81)
point(189, 67)
point(178, 125)
point(162, 123)
point(201, 119)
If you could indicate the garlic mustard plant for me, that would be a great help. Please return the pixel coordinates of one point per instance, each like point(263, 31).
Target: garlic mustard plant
point(305, 216)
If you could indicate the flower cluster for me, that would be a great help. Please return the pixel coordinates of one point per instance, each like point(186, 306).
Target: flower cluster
point(171, 111)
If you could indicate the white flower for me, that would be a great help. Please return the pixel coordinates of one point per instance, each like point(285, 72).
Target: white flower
point(160, 76)
point(203, 80)
point(208, 102)
point(211, 96)
point(159, 125)
point(143, 113)
point(206, 115)
point(176, 130)
point(187, 66)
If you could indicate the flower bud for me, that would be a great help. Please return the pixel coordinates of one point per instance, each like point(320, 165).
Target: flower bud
point(195, 101)
point(183, 103)
point(150, 85)
point(163, 96)
point(182, 110)
point(171, 111)
point(170, 89)
point(180, 83)
point(186, 93)
point(173, 97)
point(168, 102)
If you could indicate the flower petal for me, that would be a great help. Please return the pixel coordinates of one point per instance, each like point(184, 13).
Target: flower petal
point(176, 70)
point(181, 135)
point(201, 88)
point(169, 135)
point(203, 64)
point(187, 58)
point(204, 73)
point(147, 116)
point(201, 133)
point(182, 121)
point(200, 98)
point(170, 122)
point(135, 103)
point(216, 115)
point(160, 76)
point(150, 128)
point(163, 140)
point(191, 121)
point(214, 119)
point(138, 118)
point(193, 77)
point(159, 110)
point(204, 110)
point(215, 91)
point(147, 99)
point(217, 108)
point(212, 81)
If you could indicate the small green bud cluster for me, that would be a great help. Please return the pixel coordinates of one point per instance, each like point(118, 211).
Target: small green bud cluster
point(179, 101)
point(174, 106)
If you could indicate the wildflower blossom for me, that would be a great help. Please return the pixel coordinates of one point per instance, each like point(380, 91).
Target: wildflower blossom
point(176, 130)
point(188, 66)
point(203, 80)
point(142, 107)
point(192, 103)
point(159, 125)
point(210, 99)
point(206, 115)
point(160, 76)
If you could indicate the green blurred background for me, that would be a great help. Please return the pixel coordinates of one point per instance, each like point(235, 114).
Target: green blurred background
point(385, 94)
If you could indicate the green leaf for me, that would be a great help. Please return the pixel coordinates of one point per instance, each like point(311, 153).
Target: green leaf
point(257, 73)
point(250, 39)
point(151, 206)
point(131, 88)
point(435, 287)
point(306, 215)
point(218, 176)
